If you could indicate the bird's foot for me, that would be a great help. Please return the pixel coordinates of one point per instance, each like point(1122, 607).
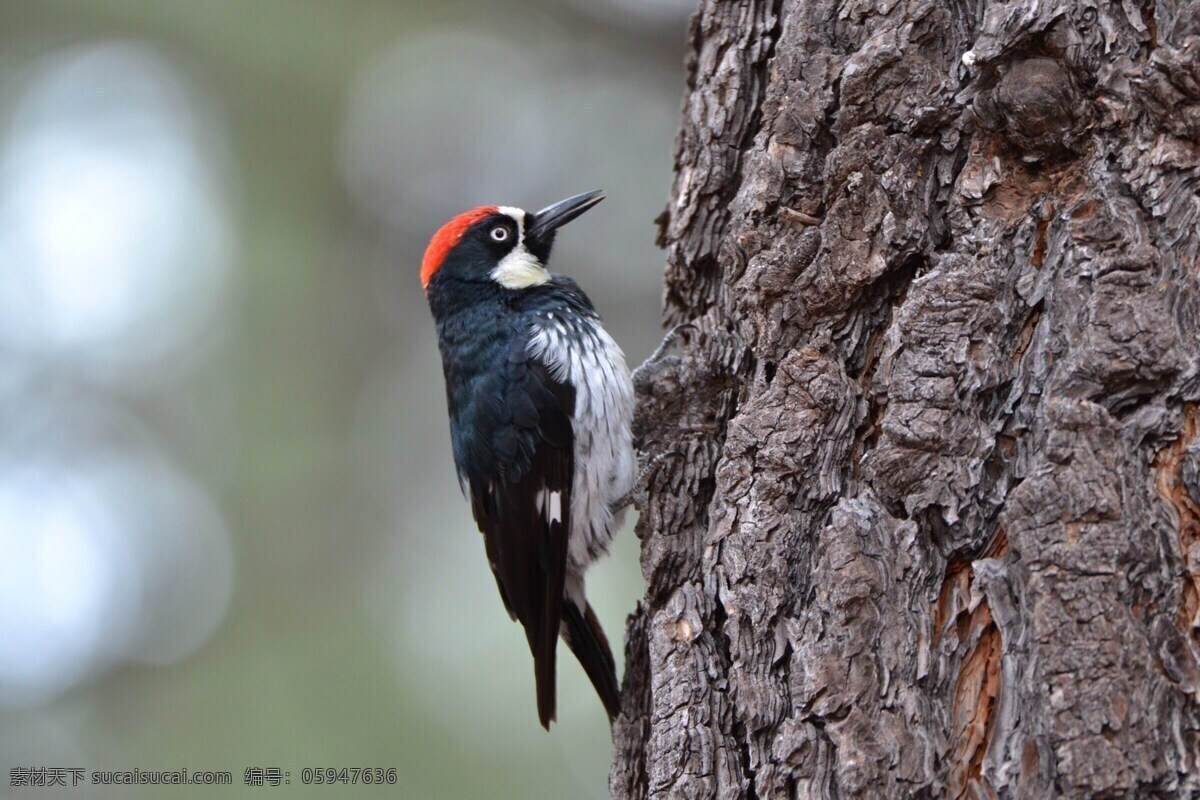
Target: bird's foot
point(636, 496)
point(659, 359)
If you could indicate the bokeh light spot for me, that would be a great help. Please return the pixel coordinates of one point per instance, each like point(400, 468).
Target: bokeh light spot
point(111, 214)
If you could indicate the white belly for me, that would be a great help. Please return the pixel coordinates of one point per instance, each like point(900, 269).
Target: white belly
point(581, 353)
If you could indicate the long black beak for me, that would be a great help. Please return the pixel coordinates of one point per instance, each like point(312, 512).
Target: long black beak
point(552, 217)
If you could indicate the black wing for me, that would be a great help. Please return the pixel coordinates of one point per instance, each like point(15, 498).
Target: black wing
point(523, 505)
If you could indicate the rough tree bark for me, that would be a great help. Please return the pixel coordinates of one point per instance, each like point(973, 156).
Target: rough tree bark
point(936, 527)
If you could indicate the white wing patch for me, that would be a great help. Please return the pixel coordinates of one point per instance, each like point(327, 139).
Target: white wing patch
point(549, 505)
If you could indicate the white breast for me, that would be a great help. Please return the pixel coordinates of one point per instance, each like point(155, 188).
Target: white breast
point(580, 352)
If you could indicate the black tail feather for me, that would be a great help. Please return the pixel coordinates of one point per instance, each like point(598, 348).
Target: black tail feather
point(544, 655)
point(586, 639)
point(543, 669)
point(549, 624)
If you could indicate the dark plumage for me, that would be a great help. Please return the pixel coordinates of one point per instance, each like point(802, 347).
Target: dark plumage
point(526, 418)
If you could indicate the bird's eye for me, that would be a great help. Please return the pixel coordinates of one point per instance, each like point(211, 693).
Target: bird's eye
point(499, 233)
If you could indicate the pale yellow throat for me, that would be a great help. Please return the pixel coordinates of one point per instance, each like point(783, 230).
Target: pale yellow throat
point(520, 269)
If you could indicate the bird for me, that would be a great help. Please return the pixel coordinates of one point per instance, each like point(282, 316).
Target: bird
point(540, 402)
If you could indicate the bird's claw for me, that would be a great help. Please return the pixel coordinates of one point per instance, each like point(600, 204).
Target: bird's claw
point(658, 359)
point(641, 486)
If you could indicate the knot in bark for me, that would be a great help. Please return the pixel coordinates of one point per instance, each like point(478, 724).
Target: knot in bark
point(1036, 107)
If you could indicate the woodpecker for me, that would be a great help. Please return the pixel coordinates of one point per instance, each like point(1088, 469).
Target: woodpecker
point(540, 403)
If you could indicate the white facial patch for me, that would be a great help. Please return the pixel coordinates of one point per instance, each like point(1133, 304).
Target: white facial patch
point(520, 269)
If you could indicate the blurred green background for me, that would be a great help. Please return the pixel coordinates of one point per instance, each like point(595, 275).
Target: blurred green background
point(230, 530)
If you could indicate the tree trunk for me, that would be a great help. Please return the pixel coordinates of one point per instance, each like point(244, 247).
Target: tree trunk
point(935, 527)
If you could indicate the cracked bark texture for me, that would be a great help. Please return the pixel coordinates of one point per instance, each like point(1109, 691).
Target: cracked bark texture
point(934, 530)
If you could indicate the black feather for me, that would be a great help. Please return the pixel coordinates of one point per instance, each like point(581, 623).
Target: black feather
point(587, 641)
point(511, 427)
point(526, 549)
